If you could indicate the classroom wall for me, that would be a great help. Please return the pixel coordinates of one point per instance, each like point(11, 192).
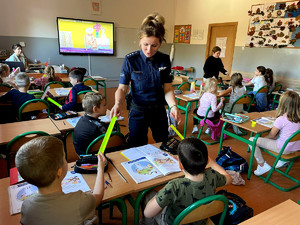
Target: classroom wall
point(34, 22)
point(201, 13)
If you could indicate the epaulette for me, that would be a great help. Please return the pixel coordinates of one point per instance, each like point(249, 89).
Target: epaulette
point(132, 54)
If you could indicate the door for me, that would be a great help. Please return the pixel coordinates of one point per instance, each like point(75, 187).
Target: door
point(222, 35)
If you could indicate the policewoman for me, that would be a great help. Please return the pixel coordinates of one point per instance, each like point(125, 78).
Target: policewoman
point(147, 71)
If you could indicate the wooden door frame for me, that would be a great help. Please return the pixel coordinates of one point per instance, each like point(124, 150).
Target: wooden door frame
point(210, 26)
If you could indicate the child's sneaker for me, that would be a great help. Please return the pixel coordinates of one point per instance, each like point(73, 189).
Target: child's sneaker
point(195, 130)
point(208, 131)
point(260, 170)
point(280, 164)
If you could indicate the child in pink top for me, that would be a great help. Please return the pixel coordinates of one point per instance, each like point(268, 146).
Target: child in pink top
point(207, 99)
point(48, 77)
point(287, 123)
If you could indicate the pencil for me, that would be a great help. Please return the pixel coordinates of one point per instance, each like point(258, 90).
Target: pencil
point(109, 176)
point(64, 122)
point(107, 183)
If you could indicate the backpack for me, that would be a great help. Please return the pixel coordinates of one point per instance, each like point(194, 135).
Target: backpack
point(171, 120)
point(230, 160)
point(237, 211)
point(216, 129)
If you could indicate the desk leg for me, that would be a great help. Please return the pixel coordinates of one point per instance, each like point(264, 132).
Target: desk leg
point(252, 154)
point(222, 136)
point(120, 203)
point(186, 110)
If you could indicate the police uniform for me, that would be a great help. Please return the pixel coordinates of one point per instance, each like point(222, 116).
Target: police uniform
point(147, 77)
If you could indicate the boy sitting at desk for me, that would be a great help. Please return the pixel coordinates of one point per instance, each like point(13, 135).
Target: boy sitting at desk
point(89, 126)
point(76, 79)
point(42, 163)
point(202, 177)
point(19, 96)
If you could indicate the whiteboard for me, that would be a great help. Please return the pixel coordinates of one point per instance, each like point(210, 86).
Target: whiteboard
point(127, 41)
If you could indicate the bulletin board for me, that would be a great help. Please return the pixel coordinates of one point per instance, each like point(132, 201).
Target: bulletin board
point(274, 25)
point(182, 33)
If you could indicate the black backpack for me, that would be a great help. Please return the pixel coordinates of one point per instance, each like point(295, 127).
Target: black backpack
point(230, 160)
point(237, 211)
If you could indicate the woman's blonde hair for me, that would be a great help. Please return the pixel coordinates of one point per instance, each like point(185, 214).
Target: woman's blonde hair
point(153, 25)
point(289, 103)
point(210, 85)
point(236, 80)
point(51, 73)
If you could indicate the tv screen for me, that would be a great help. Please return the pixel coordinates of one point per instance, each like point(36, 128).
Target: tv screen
point(76, 36)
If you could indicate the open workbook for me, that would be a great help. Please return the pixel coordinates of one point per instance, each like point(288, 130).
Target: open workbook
point(148, 162)
point(266, 121)
point(19, 192)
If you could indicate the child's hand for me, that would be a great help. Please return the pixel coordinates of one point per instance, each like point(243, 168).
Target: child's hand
point(222, 99)
point(101, 161)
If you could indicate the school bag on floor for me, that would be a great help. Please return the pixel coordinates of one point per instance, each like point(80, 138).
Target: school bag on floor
point(237, 211)
point(230, 160)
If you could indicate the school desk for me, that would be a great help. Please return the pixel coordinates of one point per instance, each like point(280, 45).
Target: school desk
point(55, 95)
point(257, 130)
point(10, 130)
point(287, 212)
point(119, 189)
point(63, 125)
point(271, 113)
point(141, 188)
point(186, 107)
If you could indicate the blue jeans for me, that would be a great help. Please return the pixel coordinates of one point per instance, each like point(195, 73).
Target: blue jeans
point(261, 101)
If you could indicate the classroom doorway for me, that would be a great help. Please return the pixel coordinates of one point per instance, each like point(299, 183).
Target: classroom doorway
point(222, 35)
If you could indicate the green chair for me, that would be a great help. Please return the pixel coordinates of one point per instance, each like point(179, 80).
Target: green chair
point(33, 105)
point(291, 158)
point(274, 97)
point(13, 146)
point(244, 99)
point(263, 89)
point(185, 86)
point(90, 82)
point(80, 95)
point(116, 139)
point(203, 209)
point(54, 84)
point(200, 131)
point(5, 88)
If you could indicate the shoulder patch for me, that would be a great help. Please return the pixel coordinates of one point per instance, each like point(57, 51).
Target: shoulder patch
point(132, 54)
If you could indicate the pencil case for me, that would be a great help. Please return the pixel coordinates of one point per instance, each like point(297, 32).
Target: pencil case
point(64, 115)
point(88, 164)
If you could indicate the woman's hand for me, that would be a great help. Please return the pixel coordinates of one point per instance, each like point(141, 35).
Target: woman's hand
point(115, 111)
point(175, 113)
point(222, 99)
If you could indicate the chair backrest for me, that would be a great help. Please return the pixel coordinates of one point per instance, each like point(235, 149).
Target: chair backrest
point(203, 209)
point(263, 89)
point(34, 105)
point(54, 84)
point(71, 154)
point(80, 95)
point(116, 139)
point(13, 146)
point(5, 88)
point(184, 86)
point(276, 88)
point(90, 82)
point(244, 99)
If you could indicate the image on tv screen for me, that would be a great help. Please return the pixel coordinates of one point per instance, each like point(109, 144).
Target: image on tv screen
point(77, 36)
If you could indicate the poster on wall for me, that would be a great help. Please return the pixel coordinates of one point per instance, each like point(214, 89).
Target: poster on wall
point(182, 33)
point(95, 7)
point(221, 42)
point(274, 24)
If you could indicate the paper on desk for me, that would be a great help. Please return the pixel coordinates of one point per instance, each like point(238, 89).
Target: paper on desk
point(61, 91)
point(192, 95)
point(73, 121)
point(106, 118)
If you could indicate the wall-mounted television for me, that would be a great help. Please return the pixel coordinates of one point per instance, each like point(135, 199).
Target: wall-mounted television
point(77, 36)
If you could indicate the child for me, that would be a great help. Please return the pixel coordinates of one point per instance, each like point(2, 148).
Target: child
point(270, 79)
point(235, 91)
point(259, 81)
point(202, 177)
point(42, 162)
point(48, 77)
point(89, 126)
point(76, 78)
point(6, 77)
point(287, 123)
point(18, 96)
point(209, 98)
